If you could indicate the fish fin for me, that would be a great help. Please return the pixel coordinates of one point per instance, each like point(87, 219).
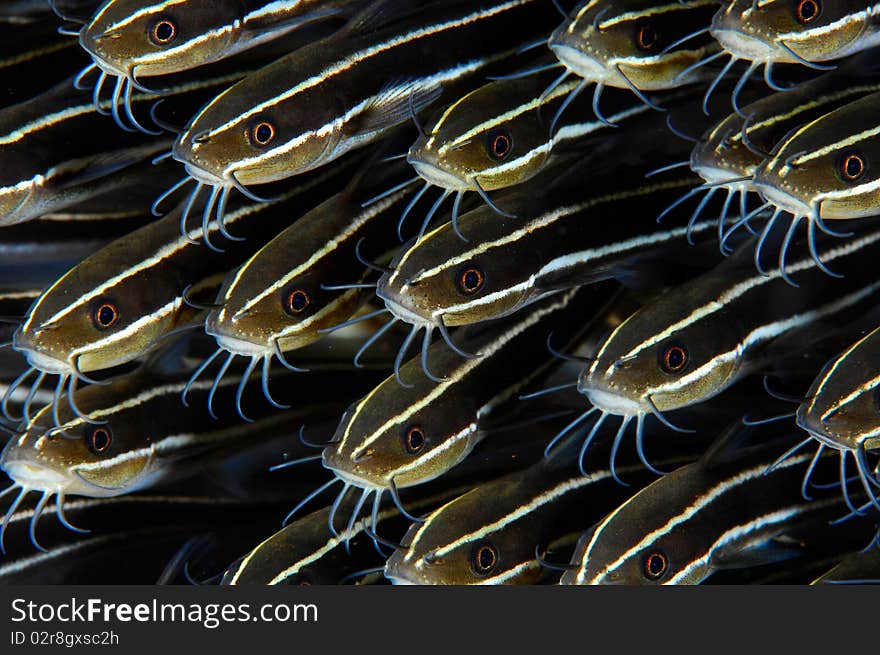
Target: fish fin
point(169, 360)
point(82, 172)
point(383, 14)
point(269, 27)
point(394, 106)
point(728, 446)
point(768, 551)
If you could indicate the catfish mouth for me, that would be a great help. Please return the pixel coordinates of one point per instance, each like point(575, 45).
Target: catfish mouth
point(579, 62)
point(42, 361)
point(91, 43)
point(350, 478)
point(239, 346)
point(403, 313)
point(396, 572)
point(820, 431)
point(721, 176)
point(742, 45)
point(434, 174)
point(613, 403)
point(200, 174)
point(34, 476)
point(782, 199)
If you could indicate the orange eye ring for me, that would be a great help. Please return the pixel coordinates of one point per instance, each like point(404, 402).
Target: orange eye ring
point(807, 11)
point(470, 280)
point(262, 134)
point(105, 315)
point(500, 144)
point(646, 37)
point(297, 301)
point(655, 565)
point(163, 31)
point(99, 439)
point(674, 358)
point(852, 166)
point(415, 440)
point(484, 559)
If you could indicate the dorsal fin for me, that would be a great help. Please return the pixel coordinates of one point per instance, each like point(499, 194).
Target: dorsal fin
point(729, 445)
point(168, 360)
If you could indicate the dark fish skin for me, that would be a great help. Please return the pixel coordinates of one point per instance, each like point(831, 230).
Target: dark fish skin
point(34, 57)
point(357, 84)
point(146, 530)
point(142, 283)
point(304, 552)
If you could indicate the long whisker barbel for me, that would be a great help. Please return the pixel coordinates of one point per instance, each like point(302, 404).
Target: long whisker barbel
point(373, 339)
point(525, 73)
point(657, 413)
point(391, 191)
point(409, 207)
point(548, 390)
point(23, 491)
point(637, 91)
point(366, 262)
point(395, 497)
point(305, 501)
point(295, 462)
point(806, 62)
point(570, 98)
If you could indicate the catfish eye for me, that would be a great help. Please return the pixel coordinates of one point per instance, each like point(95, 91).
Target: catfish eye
point(806, 11)
point(98, 439)
point(296, 301)
point(414, 440)
point(262, 133)
point(673, 358)
point(646, 37)
point(105, 315)
point(500, 144)
point(163, 31)
point(852, 166)
point(470, 280)
point(655, 565)
point(484, 559)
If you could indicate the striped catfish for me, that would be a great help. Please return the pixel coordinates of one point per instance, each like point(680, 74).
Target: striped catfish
point(806, 32)
point(144, 438)
point(827, 169)
point(134, 39)
point(491, 534)
point(51, 156)
point(58, 150)
point(728, 155)
point(564, 234)
point(724, 511)
point(142, 530)
point(498, 136)
point(402, 436)
point(699, 338)
point(639, 45)
point(129, 40)
point(348, 90)
point(840, 411)
point(308, 278)
point(119, 303)
point(304, 552)
point(34, 57)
